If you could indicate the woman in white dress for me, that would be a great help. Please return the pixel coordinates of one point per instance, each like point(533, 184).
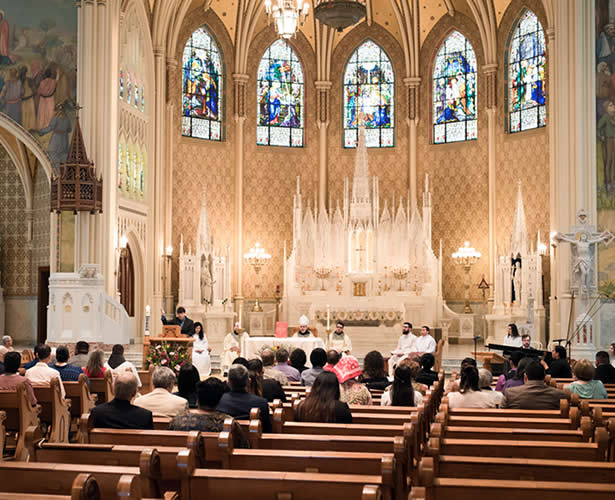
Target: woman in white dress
point(513, 339)
point(200, 352)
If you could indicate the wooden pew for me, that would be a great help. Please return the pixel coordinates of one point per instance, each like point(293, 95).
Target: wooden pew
point(550, 450)
point(491, 420)
point(102, 387)
point(146, 379)
point(265, 485)
point(20, 415)
point(82, 400)
point(565, 411)
point(50, 478)
point(84, 487)
point(55, 410)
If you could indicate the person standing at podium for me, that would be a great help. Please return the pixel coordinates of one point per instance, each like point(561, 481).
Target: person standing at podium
point(181, 320)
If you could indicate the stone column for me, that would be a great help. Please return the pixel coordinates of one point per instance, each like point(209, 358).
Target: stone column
point(489, 71)
point(412, 119)
point(572, 139)
point(239, 114)
point(323, 89)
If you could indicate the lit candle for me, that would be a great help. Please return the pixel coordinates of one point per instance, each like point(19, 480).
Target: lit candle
point(328, 317)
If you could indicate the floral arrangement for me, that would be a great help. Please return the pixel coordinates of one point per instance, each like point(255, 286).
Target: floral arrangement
point(276, 347)
point(168, 354)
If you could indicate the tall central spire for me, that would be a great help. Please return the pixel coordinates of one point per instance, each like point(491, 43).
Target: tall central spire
point(360, 202)
point(518, 239)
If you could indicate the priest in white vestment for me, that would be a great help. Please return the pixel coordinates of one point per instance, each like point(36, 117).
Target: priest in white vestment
point(405, 345)
point(234, 342)
point(425, 343)
point(339, 341)
point(304, 332)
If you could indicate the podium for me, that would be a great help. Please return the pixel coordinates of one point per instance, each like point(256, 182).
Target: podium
point(172, 336)
point(488, 358)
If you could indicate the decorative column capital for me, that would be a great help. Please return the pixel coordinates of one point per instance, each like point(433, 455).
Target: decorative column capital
point(324, 93)
point(239, 84)
point(550, 34)
point(323, 85)
point(490, 71)
point(159, 51)
point(412, 84)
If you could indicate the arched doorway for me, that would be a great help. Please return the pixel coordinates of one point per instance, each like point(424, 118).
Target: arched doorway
point(127, 281)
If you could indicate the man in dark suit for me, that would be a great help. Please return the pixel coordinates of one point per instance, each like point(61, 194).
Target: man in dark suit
point(534, 394)
point(181, 320)
point(605, 371)
point(272, 389)
point(238, 402)
point(559, 367)
point(119, 413)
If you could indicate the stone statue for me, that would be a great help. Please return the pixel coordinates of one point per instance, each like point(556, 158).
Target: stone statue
point(516, 280)
point(207, 282)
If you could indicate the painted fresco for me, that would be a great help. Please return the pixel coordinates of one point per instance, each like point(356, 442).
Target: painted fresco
point(38, 69)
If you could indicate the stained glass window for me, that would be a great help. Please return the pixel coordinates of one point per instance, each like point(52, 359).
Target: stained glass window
point(143, 99)
point(454, 91)
point(136, 96)
point(121, 84)
point(526, 76)
point(369, 93)
point(119, 167)
point(280, 97)
point(128, 88)
point(128, 170)
point(202, 87)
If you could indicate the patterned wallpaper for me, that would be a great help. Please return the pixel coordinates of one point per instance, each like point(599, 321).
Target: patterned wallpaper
point(458, 172)
point(40, 226)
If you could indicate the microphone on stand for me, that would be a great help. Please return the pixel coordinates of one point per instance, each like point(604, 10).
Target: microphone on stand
point(476, 338)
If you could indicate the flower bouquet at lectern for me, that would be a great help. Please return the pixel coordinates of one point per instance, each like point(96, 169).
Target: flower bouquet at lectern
point(169, 354)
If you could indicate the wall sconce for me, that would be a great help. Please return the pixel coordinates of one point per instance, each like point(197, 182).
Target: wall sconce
point(168, 253)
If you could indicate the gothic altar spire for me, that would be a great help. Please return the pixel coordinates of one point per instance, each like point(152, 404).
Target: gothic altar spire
point(518, 238)
point(204, 240)
point(360, 202)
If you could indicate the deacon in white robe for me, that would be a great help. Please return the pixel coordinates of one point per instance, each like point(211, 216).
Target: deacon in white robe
point(234, 342)
point(425, 343)
point(304, 332)
point(405, 345)
point(339, 341)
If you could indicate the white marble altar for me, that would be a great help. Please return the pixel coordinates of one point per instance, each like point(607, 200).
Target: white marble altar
point(254, 345)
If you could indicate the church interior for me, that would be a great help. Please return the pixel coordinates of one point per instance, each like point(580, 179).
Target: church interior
point(263, 166)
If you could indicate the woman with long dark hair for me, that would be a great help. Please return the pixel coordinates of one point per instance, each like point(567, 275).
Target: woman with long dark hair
point(187, 381)
point(200, 351)
point(513, 338)
point(323, 402)
point(469, 394)
point(374, 375)
point(117, 363)
point(401, 393)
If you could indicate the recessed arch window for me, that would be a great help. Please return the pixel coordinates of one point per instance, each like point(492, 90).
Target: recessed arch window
point(280, 97)
point(369, 93)
point(454, 91)
point(527, 107)
point(202, 87)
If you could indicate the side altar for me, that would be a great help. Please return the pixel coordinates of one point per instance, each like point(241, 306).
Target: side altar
point(368, 265)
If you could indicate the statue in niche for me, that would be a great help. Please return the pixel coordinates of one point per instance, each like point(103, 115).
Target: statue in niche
point(516, 279)
point(207, 282)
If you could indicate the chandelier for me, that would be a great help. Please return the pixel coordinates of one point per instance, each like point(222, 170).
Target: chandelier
point(287, 14)
point(340, 14)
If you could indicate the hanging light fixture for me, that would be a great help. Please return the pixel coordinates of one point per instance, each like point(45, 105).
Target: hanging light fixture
point(287, 14)
point(340, 14)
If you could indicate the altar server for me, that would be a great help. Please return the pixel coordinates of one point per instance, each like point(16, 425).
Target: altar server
point(405, 345)
point(425, 343)
point(233, 344)
point(304, 332)
point(339, 341)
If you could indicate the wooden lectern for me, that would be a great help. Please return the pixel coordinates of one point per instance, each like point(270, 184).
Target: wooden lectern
point(170, 334)
point(488, 357)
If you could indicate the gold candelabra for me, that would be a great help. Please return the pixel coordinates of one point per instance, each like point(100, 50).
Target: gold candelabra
point(322, 273)
point(466, 257)
point(400, 273)
point(257, 258)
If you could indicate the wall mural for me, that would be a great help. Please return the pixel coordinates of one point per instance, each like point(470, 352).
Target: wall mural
point(38, 69)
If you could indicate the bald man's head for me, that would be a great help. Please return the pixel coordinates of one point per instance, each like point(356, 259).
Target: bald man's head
point(125, 386)
point(268, 357)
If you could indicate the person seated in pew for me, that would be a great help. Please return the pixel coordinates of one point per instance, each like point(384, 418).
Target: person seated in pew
point(41, 373)
point(318, 358)
point(414, 371)
point(269, 370)
point(161, 400)
point(332, 359)
point(304, 332)
point(405, 346)
point(515, 359)
point(96, 365)
point(205, 418)
point(120, 413)
point(298, 360)
point(238, 402)
point(292, 374)
point(453, 384)
point(117, 362)
point(485, 377)
point(559, 367)
point(351, 390)
point(374, 375)
point(469, 394)
point(605, 371)
point(584, 384)
point(518, 378)
point(401, 393)
point(7, 346)
point(534, 394)
point(323, 403)
point(426, 375)
point(187, 380)
point(270, 389)
point(10, 379)
point(32, 363)
point(68, 373)
point(80, 358)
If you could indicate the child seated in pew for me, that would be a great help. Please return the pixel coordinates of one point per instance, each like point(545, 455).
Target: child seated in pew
point(585, 385)
point(469, 394)
point(323, 402)
point(206, 418)
point(401, 393)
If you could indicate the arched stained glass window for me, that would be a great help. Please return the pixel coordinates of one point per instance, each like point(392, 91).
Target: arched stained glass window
point(280, 97)
point(454, 91)
point(202, 87)
point(369, 92)
point(526, 76)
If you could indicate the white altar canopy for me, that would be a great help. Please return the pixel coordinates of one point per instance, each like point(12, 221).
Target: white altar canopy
point(254, 345)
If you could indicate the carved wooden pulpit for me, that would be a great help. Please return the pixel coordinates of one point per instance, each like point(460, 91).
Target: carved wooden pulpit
point(171, 334)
